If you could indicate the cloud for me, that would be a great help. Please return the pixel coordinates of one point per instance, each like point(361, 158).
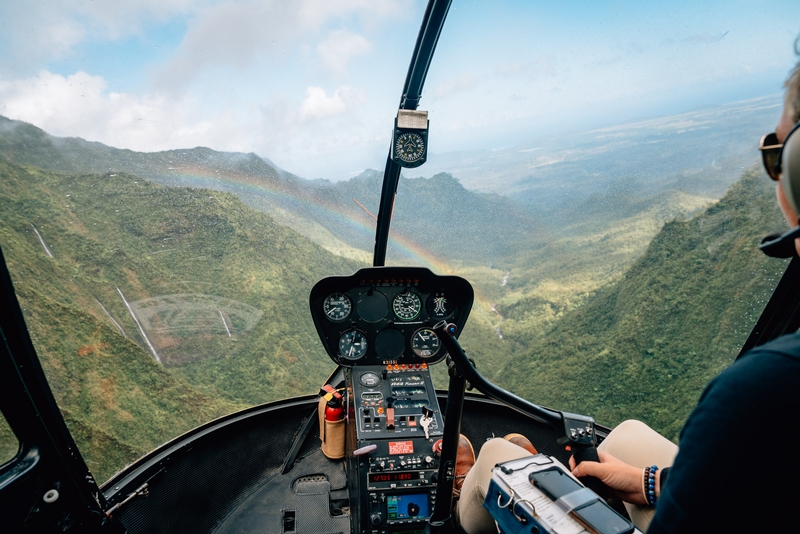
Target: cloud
point(339, 48)
point(508, 69)
point(79, 105)
point(311, 137)
point(238, 33)
point(33, 33)
point(318, 105)
point(461, 83)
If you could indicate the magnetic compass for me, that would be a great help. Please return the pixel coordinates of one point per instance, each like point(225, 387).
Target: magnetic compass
point(410, 138)
point(409, 147)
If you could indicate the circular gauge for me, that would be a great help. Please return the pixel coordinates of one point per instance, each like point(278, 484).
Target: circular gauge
point(369, 379)
point(337, 307)
point(406, 306)
point(425, 343)
point(409, 147)
point(372, 306)
point(390, 344)
point(352, 345)
point(439, 306)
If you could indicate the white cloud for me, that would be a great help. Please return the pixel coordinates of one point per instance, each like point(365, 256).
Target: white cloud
point(312, 138)
point(461, 83)
point(79, 105)
point(237, 33)
point(508, 69)
point(36, 32)
point(339, 48)
point(318, 105)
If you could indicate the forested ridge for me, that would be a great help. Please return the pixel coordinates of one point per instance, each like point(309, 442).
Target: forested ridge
point(646, 345)
point(225, 287)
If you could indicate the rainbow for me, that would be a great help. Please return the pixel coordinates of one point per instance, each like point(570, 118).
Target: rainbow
point(352, 217)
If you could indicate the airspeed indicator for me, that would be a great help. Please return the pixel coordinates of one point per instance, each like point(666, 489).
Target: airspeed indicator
point(425, 343)
point(406, 306)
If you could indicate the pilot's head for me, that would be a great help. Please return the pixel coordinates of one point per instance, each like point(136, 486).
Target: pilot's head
point(789, 117)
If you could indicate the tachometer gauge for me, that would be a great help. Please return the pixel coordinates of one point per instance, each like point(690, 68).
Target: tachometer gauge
point(425, 343)
point(406, 306)
point(352, 345)
point(337, 307)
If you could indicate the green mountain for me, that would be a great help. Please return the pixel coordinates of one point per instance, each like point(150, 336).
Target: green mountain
point(645, 346)
point(219, 291)
point(225, 291)
point(437, 216)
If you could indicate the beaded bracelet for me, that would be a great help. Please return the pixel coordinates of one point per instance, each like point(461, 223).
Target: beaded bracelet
point(650, 484)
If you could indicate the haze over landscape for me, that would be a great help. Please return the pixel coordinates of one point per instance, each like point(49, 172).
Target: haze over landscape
point(175, 176)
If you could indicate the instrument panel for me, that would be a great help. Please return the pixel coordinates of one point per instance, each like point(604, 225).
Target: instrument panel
point(385, 315)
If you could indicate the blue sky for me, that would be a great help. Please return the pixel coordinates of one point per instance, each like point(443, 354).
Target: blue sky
point(314, 84)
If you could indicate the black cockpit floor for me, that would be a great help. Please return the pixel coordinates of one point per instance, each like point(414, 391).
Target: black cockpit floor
point(302, 500)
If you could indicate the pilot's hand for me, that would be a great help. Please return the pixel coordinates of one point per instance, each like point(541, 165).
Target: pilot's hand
point(626, 481)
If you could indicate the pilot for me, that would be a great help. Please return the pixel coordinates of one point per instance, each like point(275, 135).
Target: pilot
point(722, 478)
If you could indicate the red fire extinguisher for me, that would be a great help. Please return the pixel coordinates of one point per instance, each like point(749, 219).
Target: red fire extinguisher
point(334, 408)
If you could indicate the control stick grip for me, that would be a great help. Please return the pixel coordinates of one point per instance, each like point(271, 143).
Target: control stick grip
point(589, 454)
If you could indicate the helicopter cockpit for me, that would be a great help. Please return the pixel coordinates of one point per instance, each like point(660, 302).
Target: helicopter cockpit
point(562, 235)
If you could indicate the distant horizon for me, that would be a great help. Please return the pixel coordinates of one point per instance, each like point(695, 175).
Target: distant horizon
point(419, 172)
point(314, 85)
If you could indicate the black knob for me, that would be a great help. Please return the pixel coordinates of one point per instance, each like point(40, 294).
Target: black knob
point(435, 477)
point(375, 519)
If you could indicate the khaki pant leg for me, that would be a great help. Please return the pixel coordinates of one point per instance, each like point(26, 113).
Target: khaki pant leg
point(637, 444)
point(474, 518)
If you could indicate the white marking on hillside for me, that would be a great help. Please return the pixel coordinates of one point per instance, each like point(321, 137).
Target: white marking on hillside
point(112, 319)
point(505, 279)
point(223, 322)
point(44, 245)
point(141, 330)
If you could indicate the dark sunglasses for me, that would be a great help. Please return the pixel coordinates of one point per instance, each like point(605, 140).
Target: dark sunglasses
point(772, 151)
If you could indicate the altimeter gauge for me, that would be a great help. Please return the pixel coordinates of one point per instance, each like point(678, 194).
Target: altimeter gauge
point(406, 306)
point(425, 343)
point(337, 307)
point(352, 345)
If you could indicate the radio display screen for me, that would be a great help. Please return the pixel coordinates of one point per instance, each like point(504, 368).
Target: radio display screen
point(409, 506)
point(392, 477)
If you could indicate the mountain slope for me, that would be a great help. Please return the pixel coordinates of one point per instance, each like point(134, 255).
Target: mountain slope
point(432, 215)
point(77, 245)
point(645, 346)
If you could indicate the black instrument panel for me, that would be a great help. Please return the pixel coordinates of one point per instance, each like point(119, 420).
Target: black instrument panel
point(385, 315)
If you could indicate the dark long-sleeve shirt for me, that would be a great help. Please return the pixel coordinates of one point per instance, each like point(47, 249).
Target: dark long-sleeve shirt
point(736, 468)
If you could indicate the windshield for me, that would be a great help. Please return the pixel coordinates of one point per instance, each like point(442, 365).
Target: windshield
point(176, 176)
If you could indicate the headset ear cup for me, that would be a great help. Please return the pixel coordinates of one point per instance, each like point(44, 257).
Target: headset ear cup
point(790, 171)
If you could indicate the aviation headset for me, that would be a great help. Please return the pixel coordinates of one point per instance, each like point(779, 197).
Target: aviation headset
point(782, 246)
point(790, 168)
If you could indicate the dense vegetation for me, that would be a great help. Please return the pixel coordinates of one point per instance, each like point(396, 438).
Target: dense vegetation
point(572, 320)
point(202, 254)
point(645, 346)
point(110, 232)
